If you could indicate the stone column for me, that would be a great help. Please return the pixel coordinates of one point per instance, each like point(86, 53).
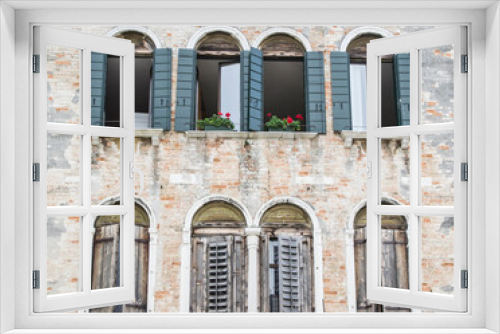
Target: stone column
point(253, 238)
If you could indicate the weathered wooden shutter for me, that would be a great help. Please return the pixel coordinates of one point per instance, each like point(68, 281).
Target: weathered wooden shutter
point(218, 281)
point(185, 117)
point(255, 91)
point(306, 275)
point(98, 67)
point(245, 88)
point(363, 305)
point(289, 272)
point(341, 90)
point(162, 89)
point(140, 303)
point(314, 84)
point(105, 261)
point(402, 86)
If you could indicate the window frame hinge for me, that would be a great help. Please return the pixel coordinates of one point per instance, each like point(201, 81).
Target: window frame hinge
point(36, 172)
point(464, 279)
point(36, 63)
point(36, 279)
point(465, 64)
point(464, 172)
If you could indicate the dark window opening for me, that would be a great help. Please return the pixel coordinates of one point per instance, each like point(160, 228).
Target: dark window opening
point(144, 48)
point(357, 54)
point(218, 77)
point(284, 93)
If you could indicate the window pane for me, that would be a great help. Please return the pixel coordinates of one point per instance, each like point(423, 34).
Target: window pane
point(395, 90)
point(437, 95)
point(63, 84)
point(230, 92)
point(106, 258)
point(106, 90)
point(394, 252)
point(358, 96)
point(437, 169)
point(63, 170)
point(106, 168)
point(437, 257)
point(395, 168)
point(63, 255)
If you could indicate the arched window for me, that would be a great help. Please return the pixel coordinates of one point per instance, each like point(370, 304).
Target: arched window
point(287, 261)
point(283, 80)
point(218, 259)
point(394, 260)
point(106, 255)
point(218, 77)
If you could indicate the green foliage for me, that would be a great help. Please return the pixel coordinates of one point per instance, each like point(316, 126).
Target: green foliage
point(216, 120)
point(285, 123)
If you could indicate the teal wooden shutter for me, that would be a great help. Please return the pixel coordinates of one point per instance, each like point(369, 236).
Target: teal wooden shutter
point(255, 91)
point(185, 116)
point(402, 86)
point(315, 92)
point(98, 67)
point(162, 89)
point(245, 88)
point(289, 272)
point(341, 90)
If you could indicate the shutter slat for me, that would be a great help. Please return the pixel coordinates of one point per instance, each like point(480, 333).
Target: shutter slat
point(402, 86)
point(244, 88)
point(98, 68)
point(161, 89)
point(315, 92)
point(255, 91)
point(341, 90)
point(186, 90)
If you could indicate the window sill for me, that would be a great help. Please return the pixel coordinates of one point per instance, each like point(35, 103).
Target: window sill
point(154, 134)
point(251, 135)
point(349, 136)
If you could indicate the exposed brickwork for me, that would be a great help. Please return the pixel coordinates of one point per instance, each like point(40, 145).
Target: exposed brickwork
point(321, 171)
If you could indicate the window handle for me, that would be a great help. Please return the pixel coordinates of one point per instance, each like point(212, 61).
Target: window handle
point(132, 171)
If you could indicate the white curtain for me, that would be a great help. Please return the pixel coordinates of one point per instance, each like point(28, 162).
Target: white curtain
point(358, 96)
point(230, 92)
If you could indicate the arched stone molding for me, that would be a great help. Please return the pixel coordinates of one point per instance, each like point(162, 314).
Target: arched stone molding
point(283, 31)
point(235, 33)
point(361, 31)
point(186, 242)
point(349, 253)
point(153, 244)
point(317, 241)
point(117, 30)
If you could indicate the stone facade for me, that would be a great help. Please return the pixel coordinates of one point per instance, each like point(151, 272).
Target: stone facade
point(253, 168)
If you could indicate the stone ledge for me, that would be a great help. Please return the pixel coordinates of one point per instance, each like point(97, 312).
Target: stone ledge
point(250, 135)
point(154, 134)
point(349, 136)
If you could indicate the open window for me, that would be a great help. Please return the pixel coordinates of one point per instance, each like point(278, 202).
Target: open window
point(218, 78)
point(435, 196)
point(64, 196)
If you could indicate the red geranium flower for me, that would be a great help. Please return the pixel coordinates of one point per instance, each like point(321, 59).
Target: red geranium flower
point(228, 115)
point(299, 116)
point(289, 120)
point(219, 113)
point(269, 115)
point(284, 119)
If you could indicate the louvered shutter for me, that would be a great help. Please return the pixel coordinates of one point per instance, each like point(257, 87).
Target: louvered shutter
point(186, 90)
point(255, 91)
point(218, 273)
point(289, 272)
point(245, 88)
point(314, 83)
point(341, 90)
point(402, 86)
point(98, 67)
point(162, 89)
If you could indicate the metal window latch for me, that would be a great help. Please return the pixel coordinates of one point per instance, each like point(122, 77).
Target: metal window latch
point(36, 63)
point(36, 279)
point(464, 171)
point(464, 279)
point(465, 64)
point(36, 172)
point(132, 171)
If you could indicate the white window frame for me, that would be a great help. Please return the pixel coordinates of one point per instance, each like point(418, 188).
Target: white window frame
point(484, 102)
point(413, 44)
